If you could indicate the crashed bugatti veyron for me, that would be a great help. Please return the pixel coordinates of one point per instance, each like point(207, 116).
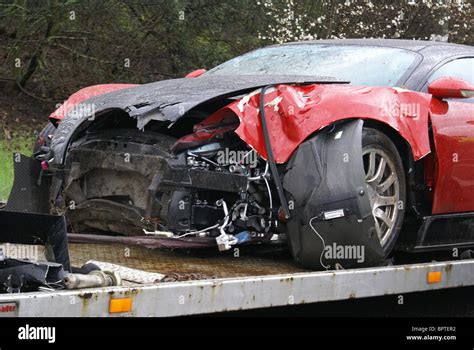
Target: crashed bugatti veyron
point(325, 144)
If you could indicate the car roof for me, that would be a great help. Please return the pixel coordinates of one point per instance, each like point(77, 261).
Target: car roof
point(413, 45)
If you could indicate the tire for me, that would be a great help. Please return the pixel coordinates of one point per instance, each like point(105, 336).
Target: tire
point(386, 184)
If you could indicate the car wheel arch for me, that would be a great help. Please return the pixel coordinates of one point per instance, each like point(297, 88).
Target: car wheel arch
point(413, 169)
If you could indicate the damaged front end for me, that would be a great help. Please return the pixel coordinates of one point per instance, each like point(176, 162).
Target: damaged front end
point(208, 186)
point(187, 177)
point(191, 168)
point(193, 181)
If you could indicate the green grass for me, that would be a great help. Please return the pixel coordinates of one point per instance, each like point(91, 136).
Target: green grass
point(21, 144)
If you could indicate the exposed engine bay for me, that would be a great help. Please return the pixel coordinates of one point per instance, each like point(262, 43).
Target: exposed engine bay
point(206, 186)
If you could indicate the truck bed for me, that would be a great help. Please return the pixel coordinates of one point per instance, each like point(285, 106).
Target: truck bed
point(208, 281)
point(180, 265)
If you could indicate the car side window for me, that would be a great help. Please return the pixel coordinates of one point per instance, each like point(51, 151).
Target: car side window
point(462, 68)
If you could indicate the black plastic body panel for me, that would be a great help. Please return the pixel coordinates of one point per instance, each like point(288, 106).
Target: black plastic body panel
point(30, 192)
point(39, 229)
point(326, 176)
point(446, 232)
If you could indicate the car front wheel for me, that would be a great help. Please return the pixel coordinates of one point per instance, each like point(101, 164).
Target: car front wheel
point(385, 180)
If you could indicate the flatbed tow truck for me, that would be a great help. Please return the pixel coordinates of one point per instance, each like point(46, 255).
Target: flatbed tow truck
point(203, 285)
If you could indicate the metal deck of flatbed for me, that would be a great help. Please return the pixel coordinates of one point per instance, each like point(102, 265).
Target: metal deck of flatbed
point(190, 264)
point(249, 283)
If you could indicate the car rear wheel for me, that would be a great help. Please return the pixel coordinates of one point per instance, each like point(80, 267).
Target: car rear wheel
point(385, 180)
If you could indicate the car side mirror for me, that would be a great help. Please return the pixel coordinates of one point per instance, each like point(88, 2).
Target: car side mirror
point(196, 73)
point(448, 87)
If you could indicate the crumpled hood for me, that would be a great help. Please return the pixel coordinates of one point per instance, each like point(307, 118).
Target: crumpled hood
point(166, 100)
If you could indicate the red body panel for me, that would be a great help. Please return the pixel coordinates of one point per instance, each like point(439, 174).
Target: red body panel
point(453, 130)
point(85, 94)
point(295, 112)
point(196, 73)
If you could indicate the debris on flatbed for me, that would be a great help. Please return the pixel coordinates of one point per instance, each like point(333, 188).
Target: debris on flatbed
point(36, 229)
point(18, 275)
point(93, 279)
point(179, 277)
point(129, 274)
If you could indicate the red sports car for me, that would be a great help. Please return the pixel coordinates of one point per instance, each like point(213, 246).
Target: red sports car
point(340, 147)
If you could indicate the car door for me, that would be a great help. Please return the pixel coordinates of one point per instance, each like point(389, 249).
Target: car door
point(453, 133)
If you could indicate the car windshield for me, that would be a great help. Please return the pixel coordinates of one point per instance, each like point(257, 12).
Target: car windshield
point(361, 65)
